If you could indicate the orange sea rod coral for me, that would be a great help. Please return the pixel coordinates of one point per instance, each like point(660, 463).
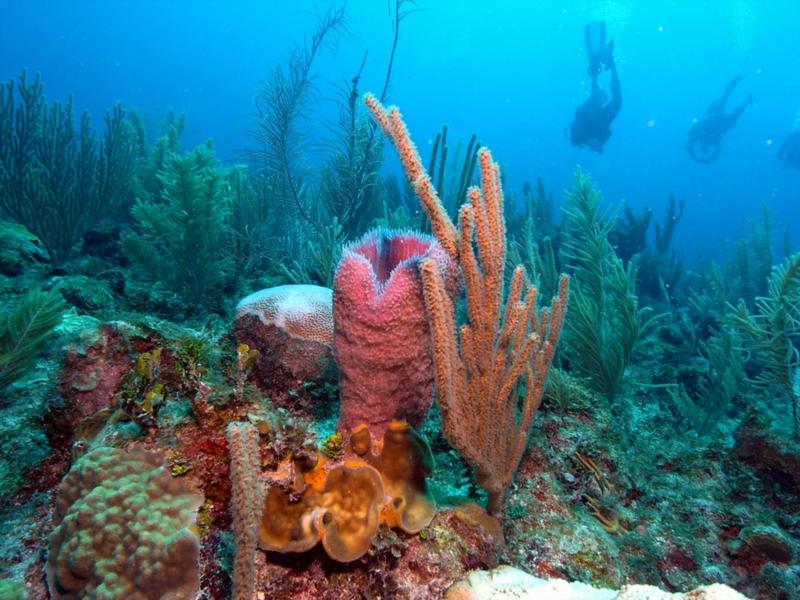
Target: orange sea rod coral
point(482, 365)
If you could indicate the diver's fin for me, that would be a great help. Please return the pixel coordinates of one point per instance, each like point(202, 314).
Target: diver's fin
point(607, 58)
point(594, 37)
point(599, 51)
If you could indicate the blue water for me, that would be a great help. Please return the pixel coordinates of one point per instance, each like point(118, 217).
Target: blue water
point(513, 72)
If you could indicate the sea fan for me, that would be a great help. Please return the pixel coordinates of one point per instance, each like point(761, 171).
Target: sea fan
point(25, 332)
point(772, 331)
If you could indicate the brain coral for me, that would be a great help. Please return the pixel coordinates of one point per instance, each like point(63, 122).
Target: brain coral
point(291, 326)
point(121, 531)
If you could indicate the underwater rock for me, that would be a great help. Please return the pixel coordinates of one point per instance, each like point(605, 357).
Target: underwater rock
point(115, 279)
point(770, 542)
point(508, 583)
point(92, 374)
point(292, 327)
point(381, 333)
point(20, 250)
point(88, 294)
point(476, 518)
point(773, 456)
point(103, 241)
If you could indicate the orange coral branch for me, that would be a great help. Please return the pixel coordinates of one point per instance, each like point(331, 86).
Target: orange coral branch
point(391, 122)
point(478, 382)
point(590, 465)
point(609, 522)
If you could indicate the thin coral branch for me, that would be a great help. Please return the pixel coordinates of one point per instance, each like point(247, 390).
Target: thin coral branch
point(282, 102)
point(391, 122)
point(479, 380)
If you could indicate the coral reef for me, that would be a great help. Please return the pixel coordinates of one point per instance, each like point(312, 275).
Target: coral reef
point(343, 502)
point(292, 328)
point(158, 441)
point(121, 530)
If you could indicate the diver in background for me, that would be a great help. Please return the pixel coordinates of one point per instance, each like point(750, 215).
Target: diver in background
point(592, 124)
point(705, 137)
point(789, 152)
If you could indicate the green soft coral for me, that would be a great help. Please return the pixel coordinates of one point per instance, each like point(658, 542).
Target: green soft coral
point(770, 333)
point(605, 321)
point(182, 233)
point(25, 332)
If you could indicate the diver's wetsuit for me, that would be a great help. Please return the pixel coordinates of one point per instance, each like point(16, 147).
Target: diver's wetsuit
point(704, 142)
point(789, 152)
point(592, 124)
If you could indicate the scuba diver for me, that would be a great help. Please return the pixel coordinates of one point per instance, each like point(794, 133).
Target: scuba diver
point(704, 142)
point(789, 152)
point(591, 126)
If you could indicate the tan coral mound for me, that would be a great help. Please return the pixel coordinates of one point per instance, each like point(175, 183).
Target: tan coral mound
point(121, 531)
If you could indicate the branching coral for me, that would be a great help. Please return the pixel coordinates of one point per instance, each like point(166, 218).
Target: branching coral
point(770, 334)
point(490, 381)
point(182, 236)
point(280, 104)
point(55, 179)
point(605, 321)
point(722, 378)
